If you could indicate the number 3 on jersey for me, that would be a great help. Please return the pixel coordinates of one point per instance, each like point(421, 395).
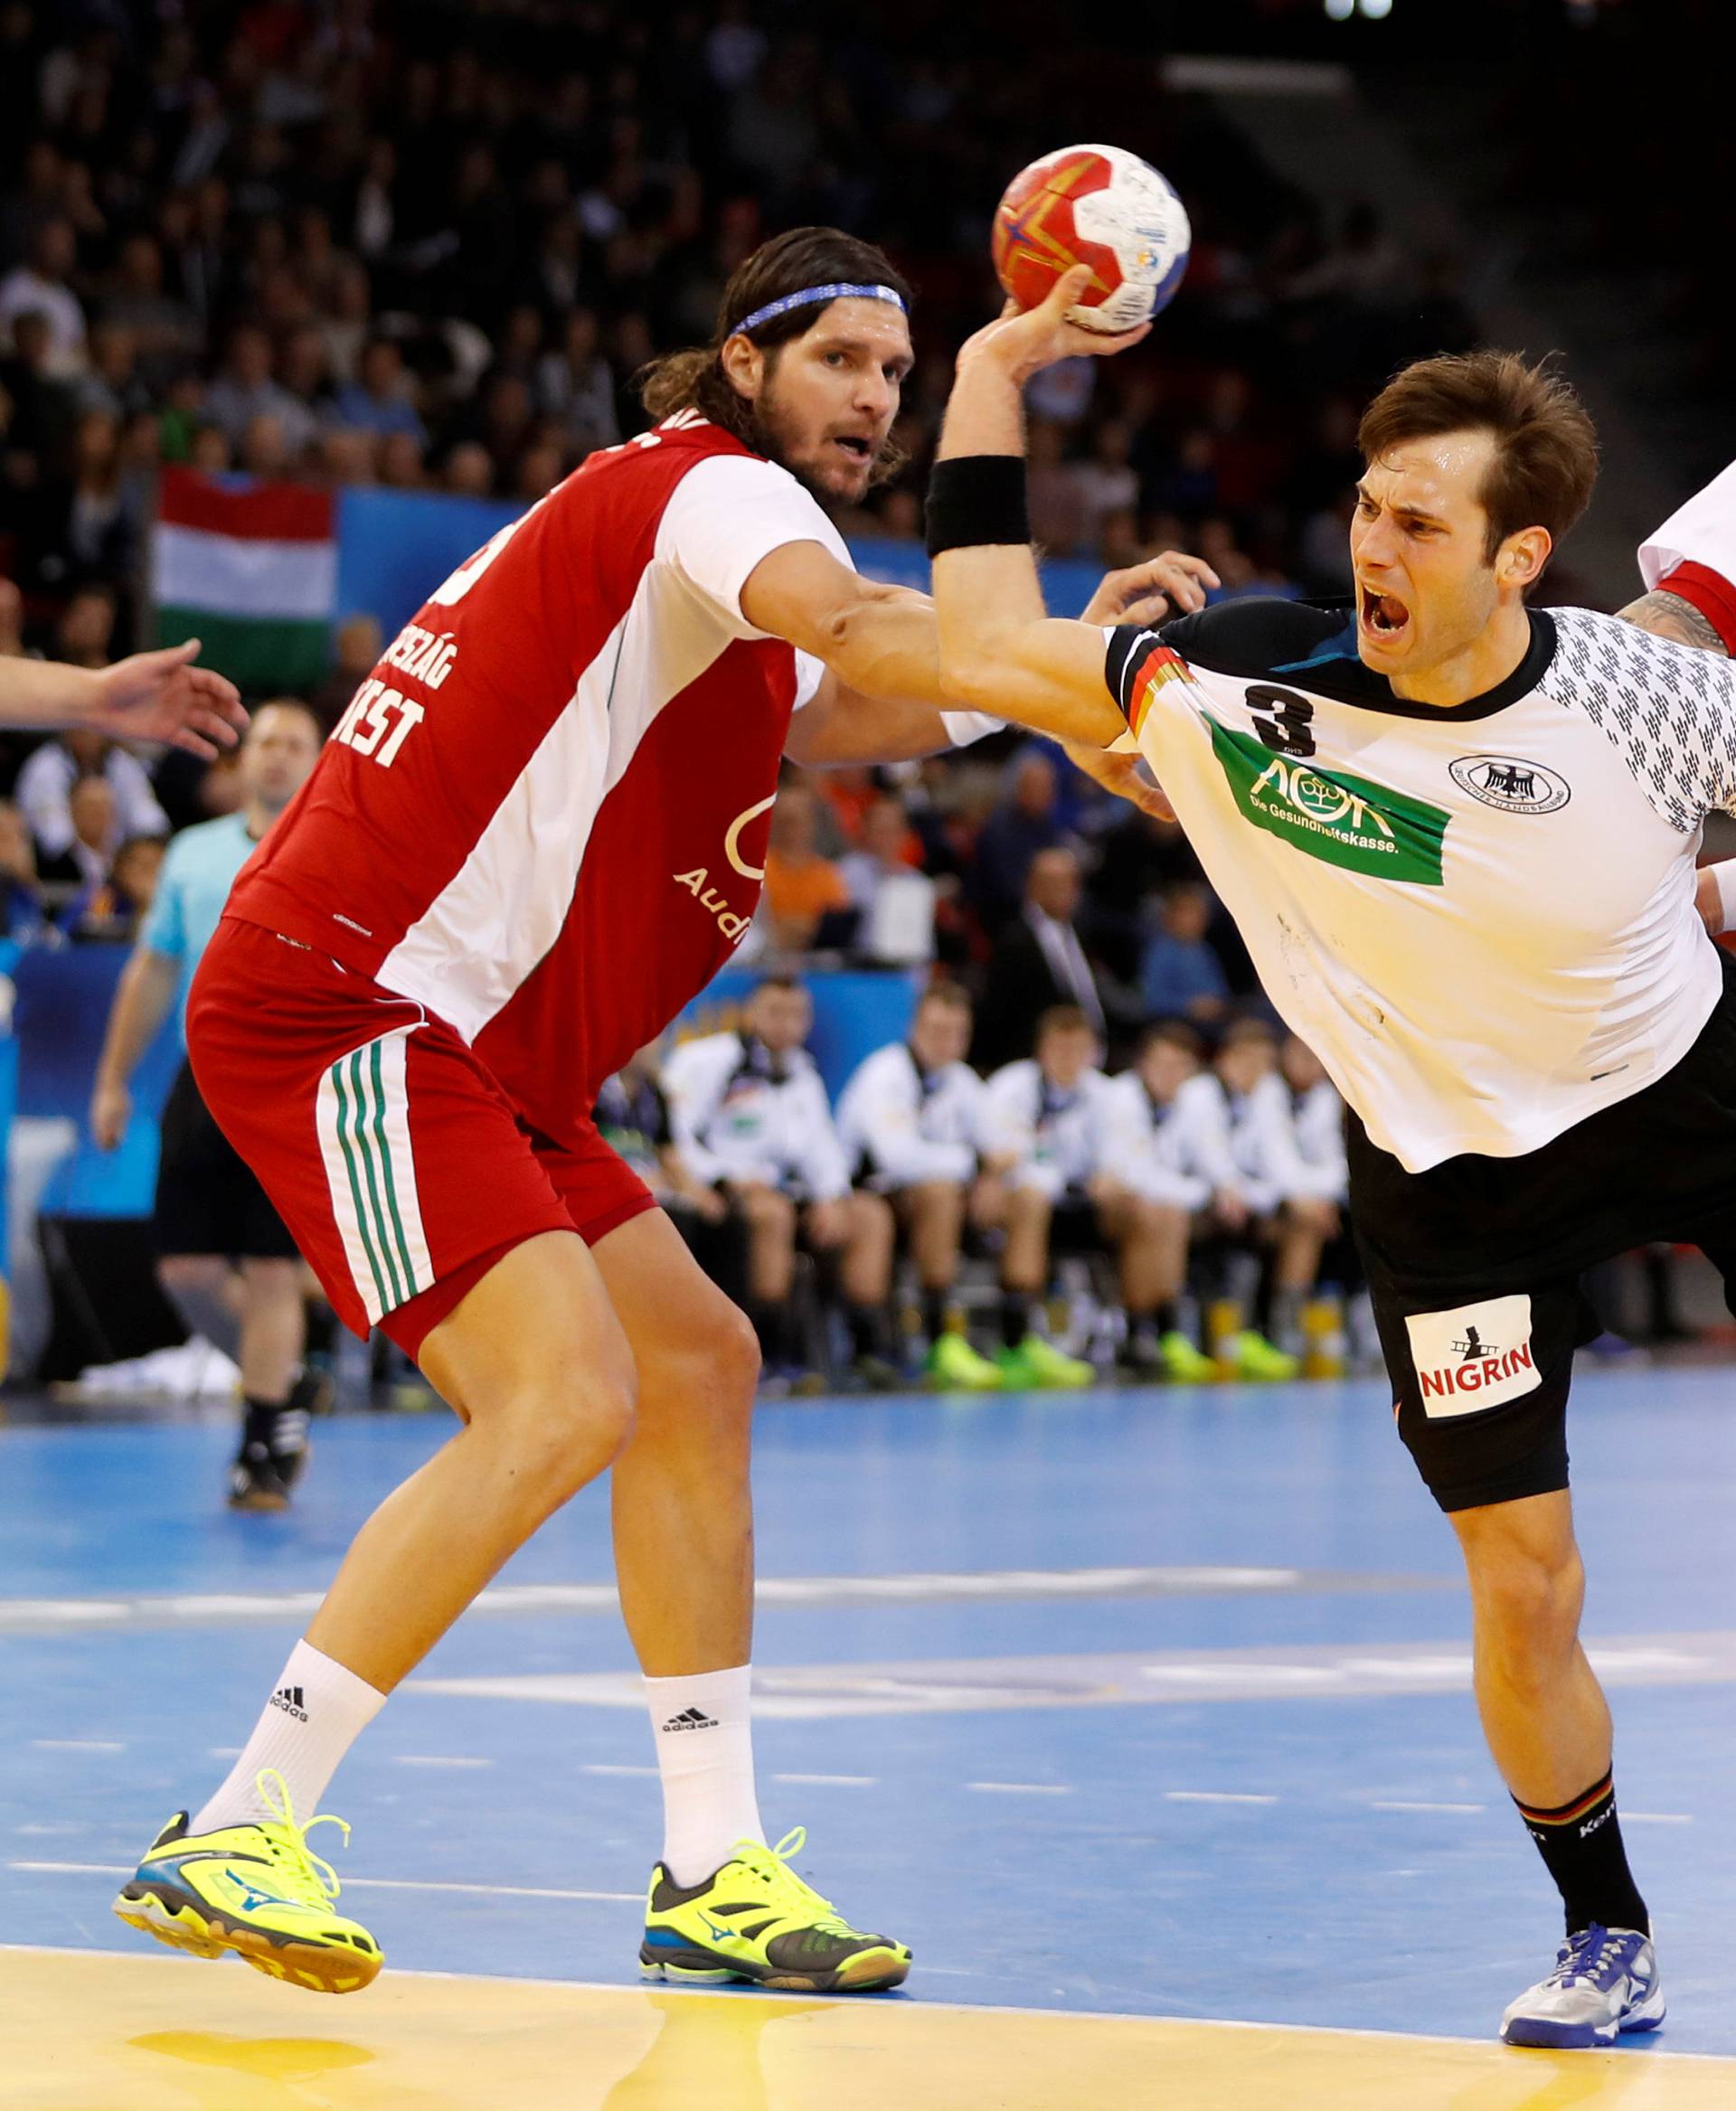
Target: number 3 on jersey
point(378, 721)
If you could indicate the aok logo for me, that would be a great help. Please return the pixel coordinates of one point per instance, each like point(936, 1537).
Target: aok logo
point(697, 881)
point(1343, 820)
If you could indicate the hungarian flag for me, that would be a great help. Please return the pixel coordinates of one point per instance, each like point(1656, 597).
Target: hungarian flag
point(250, 569)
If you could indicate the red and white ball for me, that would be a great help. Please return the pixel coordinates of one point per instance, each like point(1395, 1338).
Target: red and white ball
point(1100, 206)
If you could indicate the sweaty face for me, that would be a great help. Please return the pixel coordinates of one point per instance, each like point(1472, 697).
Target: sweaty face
point(1425, 588)
point(827, 402)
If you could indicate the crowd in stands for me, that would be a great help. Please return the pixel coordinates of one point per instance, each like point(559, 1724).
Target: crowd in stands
point(415, 243)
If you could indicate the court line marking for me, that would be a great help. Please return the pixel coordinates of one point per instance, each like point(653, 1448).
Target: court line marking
point(830, 1780)
point(1656, 1818)
point(604, 1767)
point(1021, 1787)
point(1213, 1796)
point(1175, 1580)
point(103, 1869)
point(76, 1745)
point(761, 1996)
point(1382, 1804)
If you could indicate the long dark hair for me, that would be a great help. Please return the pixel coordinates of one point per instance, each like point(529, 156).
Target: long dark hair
point(695, 380)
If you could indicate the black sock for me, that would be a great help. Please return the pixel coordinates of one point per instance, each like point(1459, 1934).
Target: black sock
point(260, 1421)
point(866, 1330)
point(1163, 1318)
point(1580, 1844)
point(934, 1312)
point(1016, 1317)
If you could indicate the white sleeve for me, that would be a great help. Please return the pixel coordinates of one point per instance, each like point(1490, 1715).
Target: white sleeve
point(825, 1169)
point(693, 1079)
point(1702, 532)
point(727, 512)
point(1201, 1104)
point(881, 1111)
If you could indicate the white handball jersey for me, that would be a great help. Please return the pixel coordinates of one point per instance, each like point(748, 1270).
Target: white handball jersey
point(903, 1124)
point(1702, 532)
point(1481, 917)
point(1244, 1141)
point(1318, 1120)
point(740, 1113)
point(1151, 1146)
point(1055, 1132)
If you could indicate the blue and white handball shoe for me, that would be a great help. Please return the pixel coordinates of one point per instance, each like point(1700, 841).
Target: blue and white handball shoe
point(1605, 1982)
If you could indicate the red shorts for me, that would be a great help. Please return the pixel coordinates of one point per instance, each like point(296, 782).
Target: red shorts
point(400, 1165)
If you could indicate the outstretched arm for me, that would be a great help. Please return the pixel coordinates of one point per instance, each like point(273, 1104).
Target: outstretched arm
point(998, 649)
point(152, 696)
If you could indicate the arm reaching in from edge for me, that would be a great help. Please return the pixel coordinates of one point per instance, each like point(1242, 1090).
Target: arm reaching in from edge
point(998, 649)
point(152, 696)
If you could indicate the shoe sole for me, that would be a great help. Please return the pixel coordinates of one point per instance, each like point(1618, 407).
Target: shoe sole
point(874, 1972)
point(261, 1500)
point(198, 1931)
point(1537, 2033)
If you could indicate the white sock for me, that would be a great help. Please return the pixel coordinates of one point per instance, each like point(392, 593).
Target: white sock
point(316, 1714)
point(703, 1728)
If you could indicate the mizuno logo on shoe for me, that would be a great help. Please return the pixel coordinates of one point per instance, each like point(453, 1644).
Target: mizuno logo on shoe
point(288, 1697)
point(691, 1718)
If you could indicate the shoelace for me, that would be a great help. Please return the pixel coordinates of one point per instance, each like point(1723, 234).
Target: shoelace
point(1593, 1951)
point(305, 1876)
point(770, 1866)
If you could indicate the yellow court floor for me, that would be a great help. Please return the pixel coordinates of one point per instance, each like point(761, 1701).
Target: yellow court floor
point(83, 2031)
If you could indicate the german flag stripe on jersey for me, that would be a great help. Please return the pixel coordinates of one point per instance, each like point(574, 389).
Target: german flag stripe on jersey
point(1139, 663)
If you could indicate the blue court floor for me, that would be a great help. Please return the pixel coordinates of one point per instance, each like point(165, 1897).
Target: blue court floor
point(1144, 1703)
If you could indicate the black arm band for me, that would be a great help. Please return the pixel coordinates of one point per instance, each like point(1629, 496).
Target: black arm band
point(974, 499)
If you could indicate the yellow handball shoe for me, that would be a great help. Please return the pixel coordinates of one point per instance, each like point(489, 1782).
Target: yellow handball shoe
point(255, 1890)
point(755, 1919)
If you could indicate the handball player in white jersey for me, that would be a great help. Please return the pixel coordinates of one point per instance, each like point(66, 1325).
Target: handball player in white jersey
point(537, 832)
point(1459, 836)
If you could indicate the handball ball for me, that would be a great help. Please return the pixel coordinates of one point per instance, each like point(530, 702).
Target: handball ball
point(1100, 206)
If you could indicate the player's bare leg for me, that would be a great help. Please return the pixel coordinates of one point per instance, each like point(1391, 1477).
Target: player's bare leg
point(1543, 1713)
point(256, 1314)
point(206, 1292)
point(771, 1241)
point(274, 1327)
point(535, 1364)
point(681, 1509)
point(934, 1215)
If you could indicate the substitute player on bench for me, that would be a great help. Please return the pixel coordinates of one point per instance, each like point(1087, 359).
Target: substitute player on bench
point(1457, 835)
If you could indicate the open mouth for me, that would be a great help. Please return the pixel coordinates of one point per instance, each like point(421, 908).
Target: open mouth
point(1383, 616)
point(854, 446)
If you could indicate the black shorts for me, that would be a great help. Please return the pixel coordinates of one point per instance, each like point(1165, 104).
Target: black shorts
point(1075, 1228)
point(208, 1198)
point(1474, 1267)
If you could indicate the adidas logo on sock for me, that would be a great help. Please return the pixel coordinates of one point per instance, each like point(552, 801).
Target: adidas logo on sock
point(288, 1697)
point(691, 1718)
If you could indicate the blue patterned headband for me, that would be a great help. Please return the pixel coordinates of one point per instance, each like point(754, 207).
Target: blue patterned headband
point(814, 293)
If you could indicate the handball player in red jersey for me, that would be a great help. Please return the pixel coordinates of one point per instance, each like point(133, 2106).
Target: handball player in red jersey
point(536, 833)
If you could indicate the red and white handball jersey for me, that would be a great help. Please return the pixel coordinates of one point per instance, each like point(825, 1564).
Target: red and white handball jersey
point(544, 815)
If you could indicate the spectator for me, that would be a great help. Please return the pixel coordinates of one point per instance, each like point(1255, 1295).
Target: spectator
point(469, 471)
point(1024, 822)
point(1180, 975)
point(45, 789)
point(1038, 963)
point(380, 399)
point(807, 900)
point(751, 1113)
point(81, 527)
point(20, 894)
point(356, 650)
point(245, 391)
point(575, 385)
point(93, 836)
point(36, 409)
point(42, 288)
point(1054, 495)
point(111, 912)
point(895, 903)
point(12, 621)
point(910, 1120)
point(165, 331)
point(1107, 482)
